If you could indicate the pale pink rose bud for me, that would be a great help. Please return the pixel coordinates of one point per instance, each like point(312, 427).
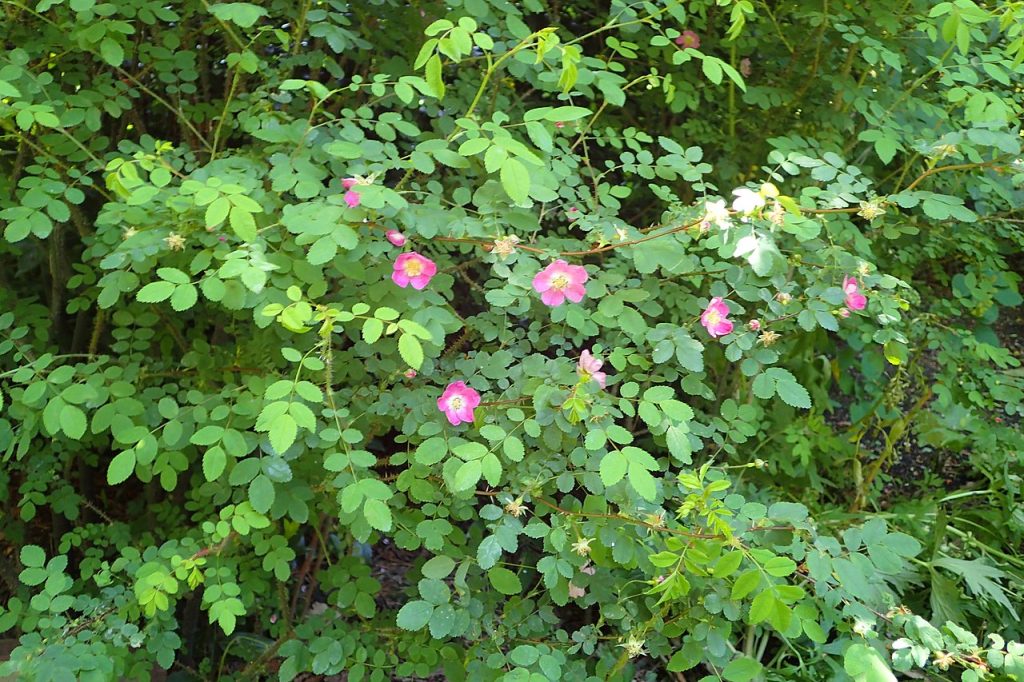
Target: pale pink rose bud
point(395, 237)
point(688, 39)
point(589, 367)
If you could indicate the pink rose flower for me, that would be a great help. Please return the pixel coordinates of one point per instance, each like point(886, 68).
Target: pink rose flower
point(854, 299)
point(715, 318)
point(412, 268)
point(576, 592)
point(754, 325)
point(351, 196)
point(688, 39)
point(395, 237)
point(560, 281)
point(458, 402)
point(589, 367)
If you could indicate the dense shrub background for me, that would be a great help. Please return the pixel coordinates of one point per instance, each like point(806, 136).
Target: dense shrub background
point(223, 454)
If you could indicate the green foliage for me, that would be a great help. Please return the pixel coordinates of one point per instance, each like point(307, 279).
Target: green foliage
point(233, 421)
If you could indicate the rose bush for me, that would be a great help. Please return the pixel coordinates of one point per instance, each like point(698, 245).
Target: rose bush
point(498, 341)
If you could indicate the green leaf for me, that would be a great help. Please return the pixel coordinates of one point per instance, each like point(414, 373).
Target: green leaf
point(515, 179)
point(467, 475)
point(184, 297)
point(762, 607)
point(688, 657)
point(505, 581)
point(243, 224)
point(438, 567)
point(779, 566)
point(243, 14)
point(745, 584)
point(411, 350)
point(742, 670)
point(372, 329)
point(613, 467)
point(563, 114)
point(214, 461)
point(793, 394)
point(643, 482)
point(8, 90)
point(431, 451)
point(121, 467)
point(111, 52)
point(261, 493)
point(865, 664)
point(73, 422)
point(415, 614)
point(474, 146)
point(32, 556)
point(712, 69)
point(377, 514)
point(217, 212)
point(488, 553)
point(433, 75)
point(728, 564)
point(283, 432)
point(154, 292)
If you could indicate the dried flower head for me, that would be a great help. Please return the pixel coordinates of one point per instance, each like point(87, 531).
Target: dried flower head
point(869, 210)
point(634, 646)
point(768, 337)
point(505, 246)
point(516, 507)
point(656, 520)
point(174, 241)
point(783, 298)
point(582, 546)
point(943, 659)
point(862, 627)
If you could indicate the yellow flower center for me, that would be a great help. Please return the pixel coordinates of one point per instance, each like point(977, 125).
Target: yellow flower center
point(455, 403)
point(714, 317)
point(413, 267)
point(559, 282)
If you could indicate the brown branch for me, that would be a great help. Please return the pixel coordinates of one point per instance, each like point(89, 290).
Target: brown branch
point(939, 169)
